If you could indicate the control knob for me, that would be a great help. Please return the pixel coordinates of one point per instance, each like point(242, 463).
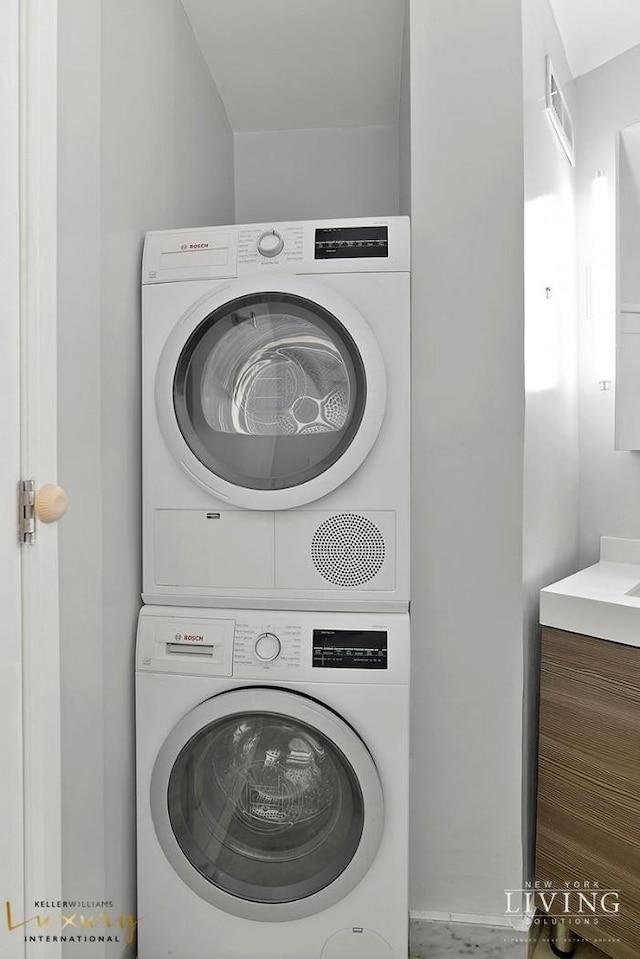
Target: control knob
point(270, 243)
point(267, 647)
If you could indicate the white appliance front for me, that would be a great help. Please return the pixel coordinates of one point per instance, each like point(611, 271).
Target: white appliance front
point(276, 415)
point(272, 784)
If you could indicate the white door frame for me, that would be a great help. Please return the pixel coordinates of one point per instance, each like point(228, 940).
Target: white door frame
point(32, 59)
point(39, 440)
point(11, 802)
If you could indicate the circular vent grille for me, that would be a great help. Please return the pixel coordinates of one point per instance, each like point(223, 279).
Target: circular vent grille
point(348, 549)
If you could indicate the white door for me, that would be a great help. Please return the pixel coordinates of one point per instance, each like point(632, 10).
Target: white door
point(30, 836)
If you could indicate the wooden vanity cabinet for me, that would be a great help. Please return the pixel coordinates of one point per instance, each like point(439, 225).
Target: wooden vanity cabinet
point(588, 818)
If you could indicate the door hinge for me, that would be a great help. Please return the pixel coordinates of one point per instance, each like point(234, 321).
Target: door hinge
point(26, 512)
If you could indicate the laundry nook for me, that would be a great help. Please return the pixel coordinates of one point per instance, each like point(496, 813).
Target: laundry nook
point(320, 524)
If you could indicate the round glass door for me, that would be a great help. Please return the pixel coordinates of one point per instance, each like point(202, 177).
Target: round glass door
point(265, 807)
point(267, 804)
point(269, 391)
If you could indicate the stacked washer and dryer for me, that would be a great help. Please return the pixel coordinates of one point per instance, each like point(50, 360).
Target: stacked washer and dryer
point(272, 664)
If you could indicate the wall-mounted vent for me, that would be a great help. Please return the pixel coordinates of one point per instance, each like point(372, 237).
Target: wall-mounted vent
point(348, 549)
point(558, 113)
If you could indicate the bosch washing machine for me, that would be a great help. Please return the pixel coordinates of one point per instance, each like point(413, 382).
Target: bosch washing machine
point(276, 424)
point(272, 784)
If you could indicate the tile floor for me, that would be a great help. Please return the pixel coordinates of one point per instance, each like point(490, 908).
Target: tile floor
point(443, 940)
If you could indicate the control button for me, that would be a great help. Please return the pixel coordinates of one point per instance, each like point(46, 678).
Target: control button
point(267, 647)
point(270, 243)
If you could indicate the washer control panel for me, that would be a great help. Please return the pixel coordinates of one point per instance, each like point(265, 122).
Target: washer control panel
point(275, 644)
point(192, 645)
point(267, 647)
point(350, 648)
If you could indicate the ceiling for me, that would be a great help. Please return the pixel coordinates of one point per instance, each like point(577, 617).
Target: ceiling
point(594, 31)
point(302, 64)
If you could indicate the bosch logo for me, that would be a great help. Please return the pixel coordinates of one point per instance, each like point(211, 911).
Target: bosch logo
point(193, 638)
point(198, 246)
point(184, 246)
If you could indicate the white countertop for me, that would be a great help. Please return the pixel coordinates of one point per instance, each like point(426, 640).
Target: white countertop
point(599, 601)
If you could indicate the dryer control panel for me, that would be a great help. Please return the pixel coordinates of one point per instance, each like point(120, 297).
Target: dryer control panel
point(260, 246)
point(351, 242)
point(356, 245)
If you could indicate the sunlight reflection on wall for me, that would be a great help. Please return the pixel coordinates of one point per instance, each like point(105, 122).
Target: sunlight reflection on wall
point(549, 290)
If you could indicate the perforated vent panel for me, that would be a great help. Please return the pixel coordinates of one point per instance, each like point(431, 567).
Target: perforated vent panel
point(348, 549)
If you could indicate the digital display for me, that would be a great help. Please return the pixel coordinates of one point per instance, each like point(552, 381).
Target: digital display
point(350, 648)
point(343, 243)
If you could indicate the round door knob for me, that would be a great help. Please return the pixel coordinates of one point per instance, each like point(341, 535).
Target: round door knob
point(267, 647)
point(51, 503)
point(270, 243)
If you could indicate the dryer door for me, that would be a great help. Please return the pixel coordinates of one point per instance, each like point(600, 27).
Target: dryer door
point(267, 804)
point(270, 393)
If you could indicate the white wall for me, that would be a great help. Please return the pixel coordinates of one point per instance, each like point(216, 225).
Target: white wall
point(300, 66)
point(608, 100)
point(145, 144)
point(404, 124)
point(80, 449)
point(551, 509)
point(468, 444)
point(313, 174)
point(629, 216)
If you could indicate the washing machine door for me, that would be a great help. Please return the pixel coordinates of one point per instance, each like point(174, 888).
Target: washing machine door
point(270, 392)
point(267, 804)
